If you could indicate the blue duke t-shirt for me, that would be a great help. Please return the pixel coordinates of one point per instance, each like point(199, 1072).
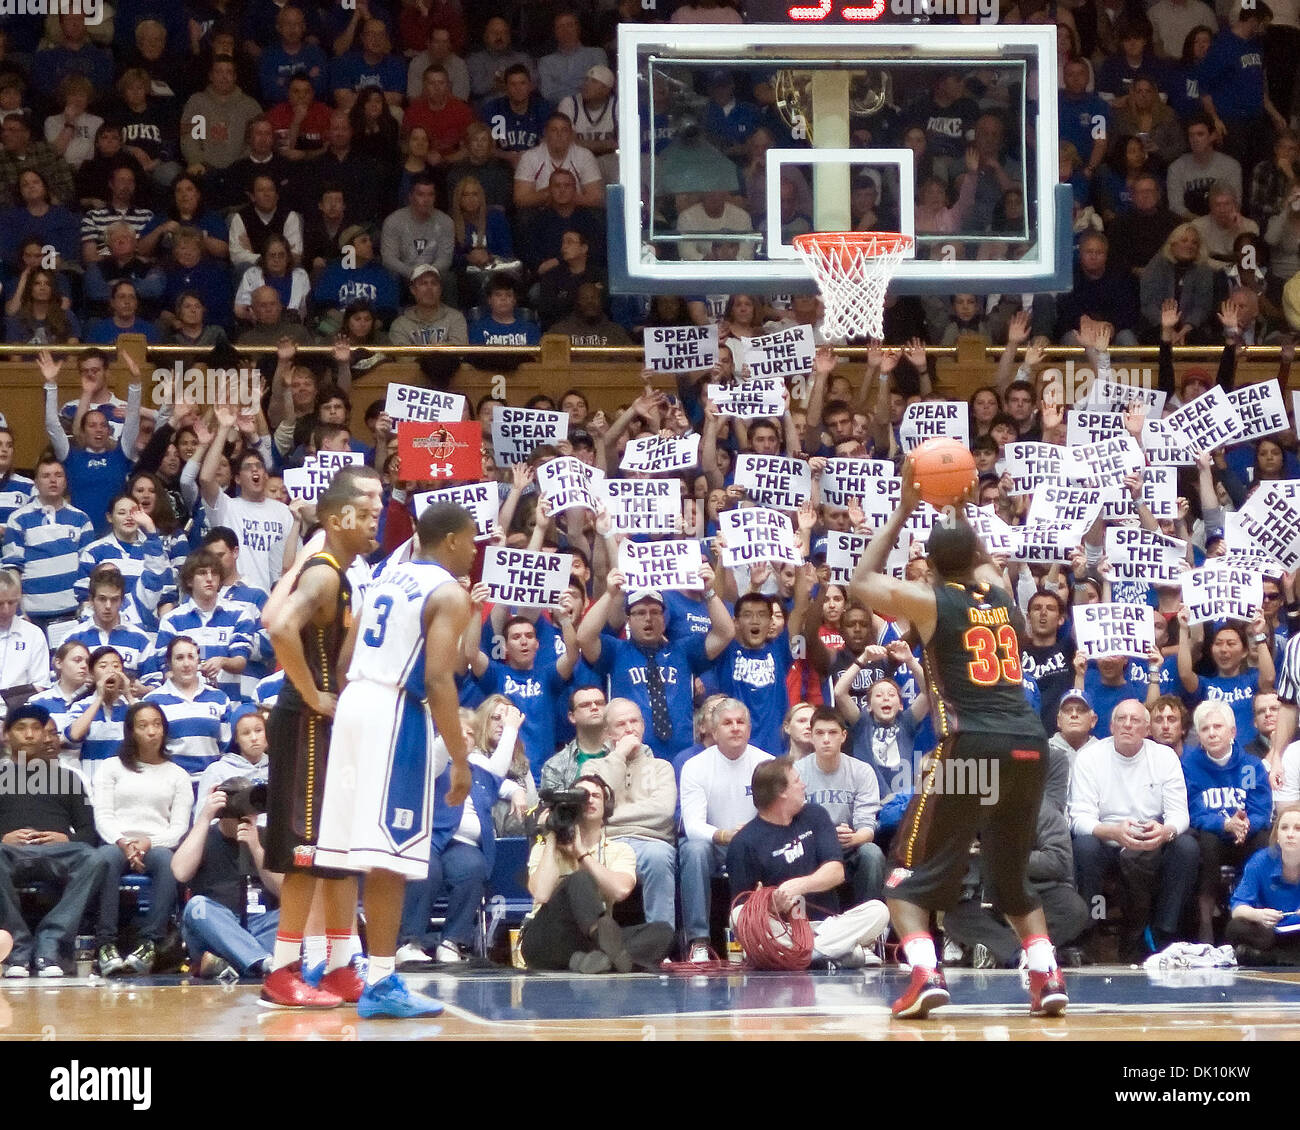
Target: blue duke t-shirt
point(539, 694)
point(624, 666)
point(756, 676)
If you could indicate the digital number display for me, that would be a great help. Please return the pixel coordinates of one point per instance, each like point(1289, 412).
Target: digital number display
point(824, 11)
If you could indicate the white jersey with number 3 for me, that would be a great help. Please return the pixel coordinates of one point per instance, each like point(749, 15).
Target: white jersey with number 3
point(390, 636)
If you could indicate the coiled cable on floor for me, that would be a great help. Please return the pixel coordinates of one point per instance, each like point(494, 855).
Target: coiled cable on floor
point(769, 939)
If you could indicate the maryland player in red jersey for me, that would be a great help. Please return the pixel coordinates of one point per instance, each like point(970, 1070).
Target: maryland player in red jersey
point(986, 777)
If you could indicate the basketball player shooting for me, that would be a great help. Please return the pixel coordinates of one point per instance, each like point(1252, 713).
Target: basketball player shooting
point(972, 662)
point(308, 618)
point(385, 752)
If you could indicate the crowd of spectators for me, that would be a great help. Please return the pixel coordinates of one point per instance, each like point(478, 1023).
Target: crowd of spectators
point(355, 181)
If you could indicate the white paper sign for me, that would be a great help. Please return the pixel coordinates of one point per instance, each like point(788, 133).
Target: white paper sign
point(483, 500)
point(1262, 409)
point(310, 481)
point(1162, 446)
point(1136, 554)
point(518, 432)
point(880, 502)
point(644, 506)
point(774, 480)
point(523, 579)
point(1221, 592)
point(753, 533)
point(411, 402)
point(681, 349)
point(1104, 463)
point(1103, 630)
point(1108, 395)
point(1159, 492)
point(852, 478)
point(1084, 425)
point(843, 550)
point(1272, 523)
point(999, 538)
point(783, 354)
point(1209, 421)
point(1068, 504)
point(925, 419)
point(568, 483)
point(754, 400)
point(1045, 543)
point(1030, 464)
point(660, 565)
point(657, 455)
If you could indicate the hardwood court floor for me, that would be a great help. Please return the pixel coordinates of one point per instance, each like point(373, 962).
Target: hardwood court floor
point(1107, 1003)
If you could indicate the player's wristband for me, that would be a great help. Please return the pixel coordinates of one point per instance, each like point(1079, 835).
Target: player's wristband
point(1260, 639)
point(709, 594)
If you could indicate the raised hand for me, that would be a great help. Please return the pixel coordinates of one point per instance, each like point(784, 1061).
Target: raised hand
point(1230, 316)
point(48, 366)
point(285, 350)
point(915, 352)
point(807, 515)
point(1035, 351)
point(1018, 328)
point(1169, 314)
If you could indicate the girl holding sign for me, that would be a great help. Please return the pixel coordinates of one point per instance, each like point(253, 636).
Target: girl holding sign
point(1234, 680)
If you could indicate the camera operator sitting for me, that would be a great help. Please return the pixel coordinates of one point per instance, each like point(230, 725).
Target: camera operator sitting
point(234, 908)
point(576, 875)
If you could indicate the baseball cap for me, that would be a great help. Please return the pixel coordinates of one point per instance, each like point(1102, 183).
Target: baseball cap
point(818, 548)
point(601, 73)
point(350, 233)
point(1214, 533)
point(426, 269)
point(638, 595)
point(1074, 695)
point(28, 710)
point(1195, 374)
point(580, 438)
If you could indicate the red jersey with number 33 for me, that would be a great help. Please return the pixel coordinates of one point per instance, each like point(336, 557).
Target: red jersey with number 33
point(973, 665)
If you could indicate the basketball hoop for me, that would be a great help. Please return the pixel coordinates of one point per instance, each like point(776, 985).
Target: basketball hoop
point(853, 269)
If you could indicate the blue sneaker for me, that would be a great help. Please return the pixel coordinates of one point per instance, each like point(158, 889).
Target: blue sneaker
point(391, 997)
point(312, 976)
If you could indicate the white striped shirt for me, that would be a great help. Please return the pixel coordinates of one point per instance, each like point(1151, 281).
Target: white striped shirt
point(44, 544)
point(198, 724)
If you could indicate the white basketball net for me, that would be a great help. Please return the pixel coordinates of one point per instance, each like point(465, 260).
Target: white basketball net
point(853, 270)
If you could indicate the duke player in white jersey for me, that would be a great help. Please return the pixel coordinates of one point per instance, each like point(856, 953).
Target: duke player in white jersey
point(399, 697)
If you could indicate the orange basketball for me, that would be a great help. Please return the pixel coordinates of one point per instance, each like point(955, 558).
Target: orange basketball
point(944, 469)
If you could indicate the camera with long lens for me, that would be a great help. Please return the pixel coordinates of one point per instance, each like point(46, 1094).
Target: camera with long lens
point(563, 809)
point(244, 799)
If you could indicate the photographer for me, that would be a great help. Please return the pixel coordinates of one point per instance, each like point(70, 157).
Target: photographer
point(233, 911)
point(575, 883)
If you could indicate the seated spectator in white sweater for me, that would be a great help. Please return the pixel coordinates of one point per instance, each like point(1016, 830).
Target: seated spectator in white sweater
point(717, 801)
point(142, 802)
point(1128, 812)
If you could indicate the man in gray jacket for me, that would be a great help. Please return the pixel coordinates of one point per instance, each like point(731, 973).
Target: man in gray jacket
point(417, 234)
point(428, 322)
point(214, 122)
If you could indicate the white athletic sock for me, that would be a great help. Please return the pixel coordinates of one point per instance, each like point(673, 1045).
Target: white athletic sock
point(354, 947)
point(380, 968)
point(1039, 954)
point(315, 949)
point(287, 950)
point(920, 951)
point(339, 951)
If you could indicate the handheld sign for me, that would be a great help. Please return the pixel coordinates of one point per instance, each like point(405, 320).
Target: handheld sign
point(783, 354)
point(433, 451)
point(1162, 446)
point(843, 549)
point(410, 402)
point(1103, 630)
point(1221, 592)
point(1136, 554)
point(999, 538)
point(307, 483)
point(483, 500)
point(1045, 543)
point(1085, 425)
point(1262, 409)
point(1159, 494)
point(523, 579)
point(925, 419)
point(568, 482)
point(1076, 507)
point(753, 534)
point(1031, 464)
point(1272, 523)
point(657, 455)
point(1109, 395)
point(1209, 421)
point(643, 506)
point(774, 480)
point(882, 500)
point(1104, 463)
point(681, 349)
point(852, 478)
point(518, 432)
point(661, 565)
point(754, 400)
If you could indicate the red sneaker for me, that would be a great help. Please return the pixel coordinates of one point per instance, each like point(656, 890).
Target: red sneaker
point(344, 982)
point(1047, 995)
point(285, 988)
point(925, 991)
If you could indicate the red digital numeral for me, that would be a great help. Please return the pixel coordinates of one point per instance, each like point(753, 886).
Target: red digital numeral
point(851, 13)
point(811, 12)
